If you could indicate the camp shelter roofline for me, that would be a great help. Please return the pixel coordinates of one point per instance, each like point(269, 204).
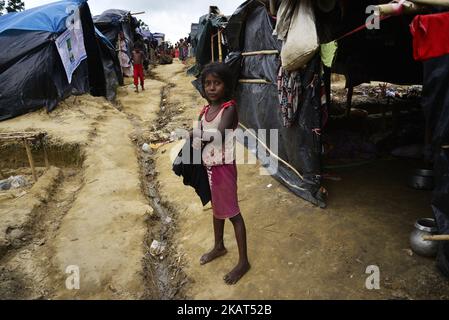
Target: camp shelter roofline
point(31, 67)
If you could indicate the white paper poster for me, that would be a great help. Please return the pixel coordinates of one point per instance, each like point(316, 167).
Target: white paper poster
point(71, 48)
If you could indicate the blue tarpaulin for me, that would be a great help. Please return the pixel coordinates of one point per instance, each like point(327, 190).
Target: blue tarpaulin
point(50, 17)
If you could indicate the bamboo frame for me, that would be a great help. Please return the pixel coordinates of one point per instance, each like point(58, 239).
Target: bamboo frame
point(254, 81)
point(408, 8)
point(212, 47)
point(438, 237)
point(30, 158)
point(273, 7)
point(262, 52)
point(220, 49)
point(443, 3)
point(27, 138)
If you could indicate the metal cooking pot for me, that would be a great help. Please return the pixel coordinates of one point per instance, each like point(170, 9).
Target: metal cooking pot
point(424, 172)
point(422, 179)
point(424, 227)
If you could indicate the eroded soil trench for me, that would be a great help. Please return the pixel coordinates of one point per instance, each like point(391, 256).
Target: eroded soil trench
point(97, 208)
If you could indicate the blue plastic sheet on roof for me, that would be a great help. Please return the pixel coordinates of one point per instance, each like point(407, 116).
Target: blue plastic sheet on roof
point(103, 38)
point(50, 17)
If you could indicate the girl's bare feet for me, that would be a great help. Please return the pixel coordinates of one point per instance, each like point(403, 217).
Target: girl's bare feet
point(213, 254)
point(237, 273)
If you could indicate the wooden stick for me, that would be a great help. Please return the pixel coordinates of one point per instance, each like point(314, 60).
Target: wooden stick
point(212, 47)
point(220, 52)
point(408, 8)
point(30, 159)
point(273, 7)
point(47, 165)
point(438, 237)
point(262, 81)
point(262, 52)
point(443, 3)
point(137, 13)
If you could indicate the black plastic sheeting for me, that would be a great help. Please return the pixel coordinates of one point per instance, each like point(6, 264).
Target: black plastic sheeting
point(208, 24)
point(384, 54)
point(250, 28)
point(435, 101)
point(33, 76)
point(113, 21)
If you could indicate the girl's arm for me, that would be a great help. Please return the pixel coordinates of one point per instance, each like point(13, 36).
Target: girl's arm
point(227, 120)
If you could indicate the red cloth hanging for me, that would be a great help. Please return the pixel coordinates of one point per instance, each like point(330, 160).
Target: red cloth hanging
point(430, 36)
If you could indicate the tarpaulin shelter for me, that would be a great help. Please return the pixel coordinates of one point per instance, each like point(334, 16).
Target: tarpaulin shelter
point(112, 22)
point(249, 35)
point(377, 54)
point(251, 44)
point(33, 74)
point(386, 54)
point(160, 37)
point(207, 42)
point(435, 101)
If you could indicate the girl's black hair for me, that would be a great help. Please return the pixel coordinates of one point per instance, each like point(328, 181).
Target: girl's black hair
point(223, 72)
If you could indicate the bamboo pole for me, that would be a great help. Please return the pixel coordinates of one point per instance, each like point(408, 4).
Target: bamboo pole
point(273, 7)
point(392, 8)
point(30, 159)
point(220, 51)
point(443, 3)
point(262, 52)
point(438, 237)
point(212, 47)
point(259, 81)
point(47, 165)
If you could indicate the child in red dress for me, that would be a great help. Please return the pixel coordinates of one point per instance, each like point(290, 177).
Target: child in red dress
point(218, 155)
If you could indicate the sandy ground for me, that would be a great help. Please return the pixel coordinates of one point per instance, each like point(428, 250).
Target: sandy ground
point(100, 208)
point(298, 251)
point(96, 215)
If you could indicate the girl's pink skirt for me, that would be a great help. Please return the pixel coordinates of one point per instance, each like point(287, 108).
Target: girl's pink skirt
point(223, 187)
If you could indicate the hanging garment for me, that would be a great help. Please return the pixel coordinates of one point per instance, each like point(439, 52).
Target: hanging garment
point(290, 92)
point(430, 36)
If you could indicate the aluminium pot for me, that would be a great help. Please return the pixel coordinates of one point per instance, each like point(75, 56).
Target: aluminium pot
point(424, 227)
point(422, 179)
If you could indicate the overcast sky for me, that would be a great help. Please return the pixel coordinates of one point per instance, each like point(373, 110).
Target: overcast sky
point(172, 17)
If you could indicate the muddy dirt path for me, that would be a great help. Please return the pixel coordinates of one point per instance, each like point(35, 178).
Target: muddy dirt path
point(105, 201)
point(89, 223)
point(298, 251)
point(89, 219)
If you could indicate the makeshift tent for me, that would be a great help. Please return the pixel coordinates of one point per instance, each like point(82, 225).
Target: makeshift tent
point(160, 37)
point(32, 73)
point(386, 54)
point(254, 59)
point(193, 34)
point(206, 41)
point(383, 54)
point(112, 22)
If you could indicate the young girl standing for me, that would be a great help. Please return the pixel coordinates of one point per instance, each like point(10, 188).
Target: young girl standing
point(218, 155)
